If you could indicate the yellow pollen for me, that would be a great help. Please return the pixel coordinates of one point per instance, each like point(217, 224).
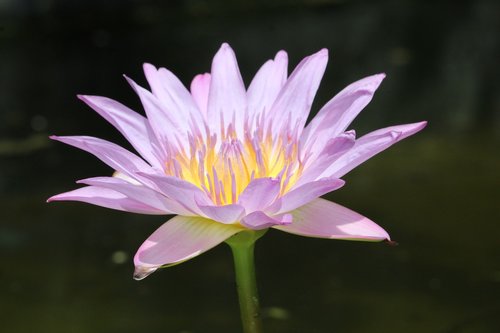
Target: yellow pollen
point(223, 172)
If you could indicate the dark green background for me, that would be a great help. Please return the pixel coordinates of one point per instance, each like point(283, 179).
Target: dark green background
point(66, 267)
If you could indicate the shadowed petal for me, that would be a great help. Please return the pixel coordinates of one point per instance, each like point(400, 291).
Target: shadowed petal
point(304, 194)
point(324, 219)
point(200, 88)
point(333, 149)
point(369, 145)
point(107, 198)
point(259, 220)
point(338, 113)
point(259, 194)
point(178, 240)
point(134, 127)
point(226, 214)
point(227, 97)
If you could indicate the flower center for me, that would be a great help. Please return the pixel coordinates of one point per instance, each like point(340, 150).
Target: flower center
point(224, 169)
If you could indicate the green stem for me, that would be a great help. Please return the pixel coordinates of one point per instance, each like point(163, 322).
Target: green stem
point(242, 246)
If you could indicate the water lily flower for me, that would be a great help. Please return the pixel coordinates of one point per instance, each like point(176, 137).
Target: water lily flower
point(225, 158)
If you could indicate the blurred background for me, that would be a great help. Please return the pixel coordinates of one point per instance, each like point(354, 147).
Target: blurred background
point(67, 267)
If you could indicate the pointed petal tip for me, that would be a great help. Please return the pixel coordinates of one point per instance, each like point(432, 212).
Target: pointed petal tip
point(142, 272)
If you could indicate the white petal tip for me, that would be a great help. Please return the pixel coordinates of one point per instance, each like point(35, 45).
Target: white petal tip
point(323, 52)
point(142, 272)
point(281, 55)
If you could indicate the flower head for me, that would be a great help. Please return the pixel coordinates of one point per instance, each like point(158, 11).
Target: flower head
point(224, 158)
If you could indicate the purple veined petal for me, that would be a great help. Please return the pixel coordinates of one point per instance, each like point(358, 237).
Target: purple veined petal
point(227, 97)
point(180, 239)
point(113, 155)
point(294, 101)
point(174, 96)
point(324, 219)
point(259, 194)
point(165, 125)
point(333, 149)
point(107, 198)
point(186, 194)
point(200, 88)
point(369, 145)
point(266, 85)
point(134, 127)
point(138, 193)
point(304, 194)
point(259, 220)
point(338, 113)
point(226, 214)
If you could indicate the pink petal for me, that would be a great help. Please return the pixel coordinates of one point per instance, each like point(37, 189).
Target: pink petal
point(304, 194)
point(338, 113)
point(295, 99)
point(226, 214)
point(186, 194)
point(178, 240)
point(259, 194)
point(227, 97)
point(138, 193)
point(259, 220)
point(266, 84)
point(200, 88)
point(107, 198)
point(134, 127)
point(166, 125)
point(175, 98)
point(369, 145)
point(333, 149)
point(324, 219)
point(113, 155)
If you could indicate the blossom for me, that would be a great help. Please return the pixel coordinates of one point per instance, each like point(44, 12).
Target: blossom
point(223, 158)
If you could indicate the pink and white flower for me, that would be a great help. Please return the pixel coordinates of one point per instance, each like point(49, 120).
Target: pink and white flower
point(225, 158)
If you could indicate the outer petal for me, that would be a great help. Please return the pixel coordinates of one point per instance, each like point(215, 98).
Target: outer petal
point(324, 219)
point(107, 198)
point(304, 194)
point(259, 194)
point(259, 220)
point(178, 240)
point(370, 145)
point(134, 127)
point(113, 155)
point(138, 193)
point(200, 88)
point(266, 85)
point(338, 113)
point(295, 99)
point(227, 97)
